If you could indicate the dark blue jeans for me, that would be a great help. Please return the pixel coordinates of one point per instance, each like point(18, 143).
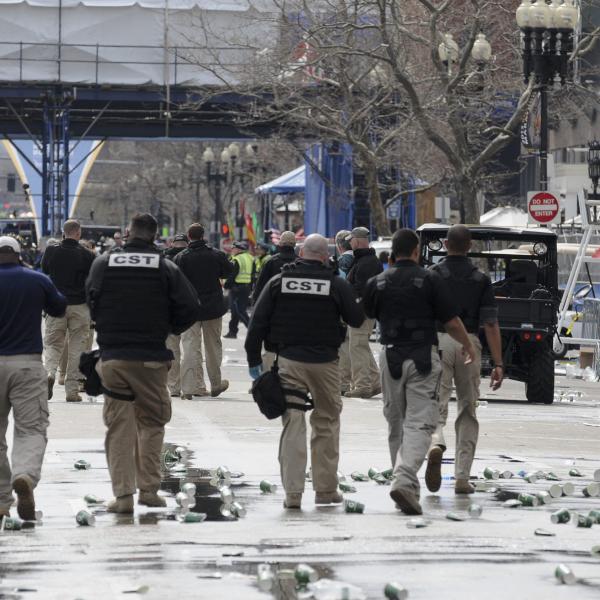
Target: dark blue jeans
point(239, 299)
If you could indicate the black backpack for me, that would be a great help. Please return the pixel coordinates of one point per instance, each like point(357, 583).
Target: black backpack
point(93, 385)
point(269, 394)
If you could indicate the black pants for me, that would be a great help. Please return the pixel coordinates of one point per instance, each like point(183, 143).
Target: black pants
point(239, 299)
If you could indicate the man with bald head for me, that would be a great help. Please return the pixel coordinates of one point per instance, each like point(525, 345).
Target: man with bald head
point(299, 314)
point(473, 293)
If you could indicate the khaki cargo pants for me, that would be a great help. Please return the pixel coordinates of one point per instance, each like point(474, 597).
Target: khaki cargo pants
point(135, 430)
point(467, 380)
point(322, 381)
point(365, 375)
point(192, 373)
point(410, 405)
point(24, 390)
point(73, 328)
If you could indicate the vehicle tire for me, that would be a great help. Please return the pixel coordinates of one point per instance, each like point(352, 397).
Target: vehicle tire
point(540, 386)
point(559, 348)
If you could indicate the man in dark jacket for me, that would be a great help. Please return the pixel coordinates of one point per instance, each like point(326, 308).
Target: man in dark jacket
point(68, 265)
point(24, 294)
point(300, 312)
point(285, 254)
point(204, 267)
point(365, 375)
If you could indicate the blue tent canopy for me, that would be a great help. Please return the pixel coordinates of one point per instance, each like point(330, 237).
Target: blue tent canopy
point(290, 183)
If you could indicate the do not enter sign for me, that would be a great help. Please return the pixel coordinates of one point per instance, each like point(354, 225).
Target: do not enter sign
point(543, 208)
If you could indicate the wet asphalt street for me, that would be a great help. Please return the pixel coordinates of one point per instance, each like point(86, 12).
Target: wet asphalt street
point(496, 556)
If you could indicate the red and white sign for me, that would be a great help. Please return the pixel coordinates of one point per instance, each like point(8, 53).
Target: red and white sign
point(543, 208)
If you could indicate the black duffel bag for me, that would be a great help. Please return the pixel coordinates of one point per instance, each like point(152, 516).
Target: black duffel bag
point(93, 384)
point(269, 394)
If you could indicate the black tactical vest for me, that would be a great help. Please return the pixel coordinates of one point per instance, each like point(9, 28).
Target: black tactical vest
point(406, 316)
point(306, 313)
point(467, 286)
point(133, 305)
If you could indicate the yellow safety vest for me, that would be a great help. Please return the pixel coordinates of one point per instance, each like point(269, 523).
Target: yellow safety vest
point(260, 261)
point(244, 260)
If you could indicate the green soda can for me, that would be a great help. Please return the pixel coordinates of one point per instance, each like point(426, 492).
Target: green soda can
point(11, 524)
point(305, 574)
point(373, 473)
point(168, 458)
point(381, 480)
point(595, 515)
point(575, 473)
point(560, 516)
point(388, 473)
point(84, 517)
point(555, 490)
point(583, 521)
point(568, 489)
point(491, 473)
point(82, 465)
point(394, 591)
point(528, 500)
point(543, 497)
point(192, 517)
point(475, 510)
point(358, 476)
point(346, 488)
point(91, 499)
point(351, 506)
point(266, 487)
point(550, 476)
point(591, 490)
point(564, 574)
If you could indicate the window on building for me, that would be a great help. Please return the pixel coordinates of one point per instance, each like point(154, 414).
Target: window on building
point(11, 182)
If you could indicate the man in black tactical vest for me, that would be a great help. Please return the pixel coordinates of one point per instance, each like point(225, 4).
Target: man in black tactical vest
point(300, 312)
point(137, 298)
point(408, 300)
point(473, 293)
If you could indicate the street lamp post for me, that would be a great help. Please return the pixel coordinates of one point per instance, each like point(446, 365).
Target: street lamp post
point(547, 33)
point(216, 177)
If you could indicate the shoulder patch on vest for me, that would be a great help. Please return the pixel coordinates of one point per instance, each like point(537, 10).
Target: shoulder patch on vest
point(134, 259)
point(303, 285)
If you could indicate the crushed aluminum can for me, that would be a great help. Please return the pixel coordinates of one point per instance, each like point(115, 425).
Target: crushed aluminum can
point(528, 500)
point(543, 497)
point(352, 506)
point(388, 474)
point(583, 521)
point(544, 533)
point(575, 473)
point(560, 516)
point(540, 474)
point(305, 574)
point(550, 476)
point(381, 480)
point(11, 524)
point(591, 490)
point(452, 516)
point(491, 473)
point(91, 499)
point(238, 509)
point(266, 487)
point(372, 472)
point(530, 477)
point(475, 510)
point(346, 488)
point(192, 517)
point(85, 518)
point(564, 574)
point(183, 500)
point(82, 465)
point(358, 476)
point(555, 490)
point(265, 577)
point(568, 489)
point(394, 591)
point(225, 510)
point(595, 515)
point(226, 494)
point(417, 523)
point(340, 477)
point(506, 475)
point(514, 503)
point(189, 489)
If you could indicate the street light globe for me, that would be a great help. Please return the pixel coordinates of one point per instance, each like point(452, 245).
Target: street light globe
point(522, 14)
point(225, 156)
point(482, 50)
point(540, 15)
point(208, 156)
point(448, 50)
point(566, 15)
point(234, 150)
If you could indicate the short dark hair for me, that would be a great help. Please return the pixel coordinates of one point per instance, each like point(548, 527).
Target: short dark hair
point(195, 232)
point(459, 239)
point(404, 242)
point(71, 227)
point(143, 226)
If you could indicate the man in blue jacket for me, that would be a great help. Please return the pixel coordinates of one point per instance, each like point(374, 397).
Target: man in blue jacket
point(24, 294)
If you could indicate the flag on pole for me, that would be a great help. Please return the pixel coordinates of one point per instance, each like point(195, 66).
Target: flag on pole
point(250, 229)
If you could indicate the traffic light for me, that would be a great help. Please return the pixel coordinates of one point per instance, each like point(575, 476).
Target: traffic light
point(225, 230)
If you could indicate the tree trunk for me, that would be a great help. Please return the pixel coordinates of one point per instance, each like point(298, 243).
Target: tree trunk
point(466, 192)
point(377, 209)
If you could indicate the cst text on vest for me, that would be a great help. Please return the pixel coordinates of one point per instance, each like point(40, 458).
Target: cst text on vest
point(301, 285)
point(129, 259)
